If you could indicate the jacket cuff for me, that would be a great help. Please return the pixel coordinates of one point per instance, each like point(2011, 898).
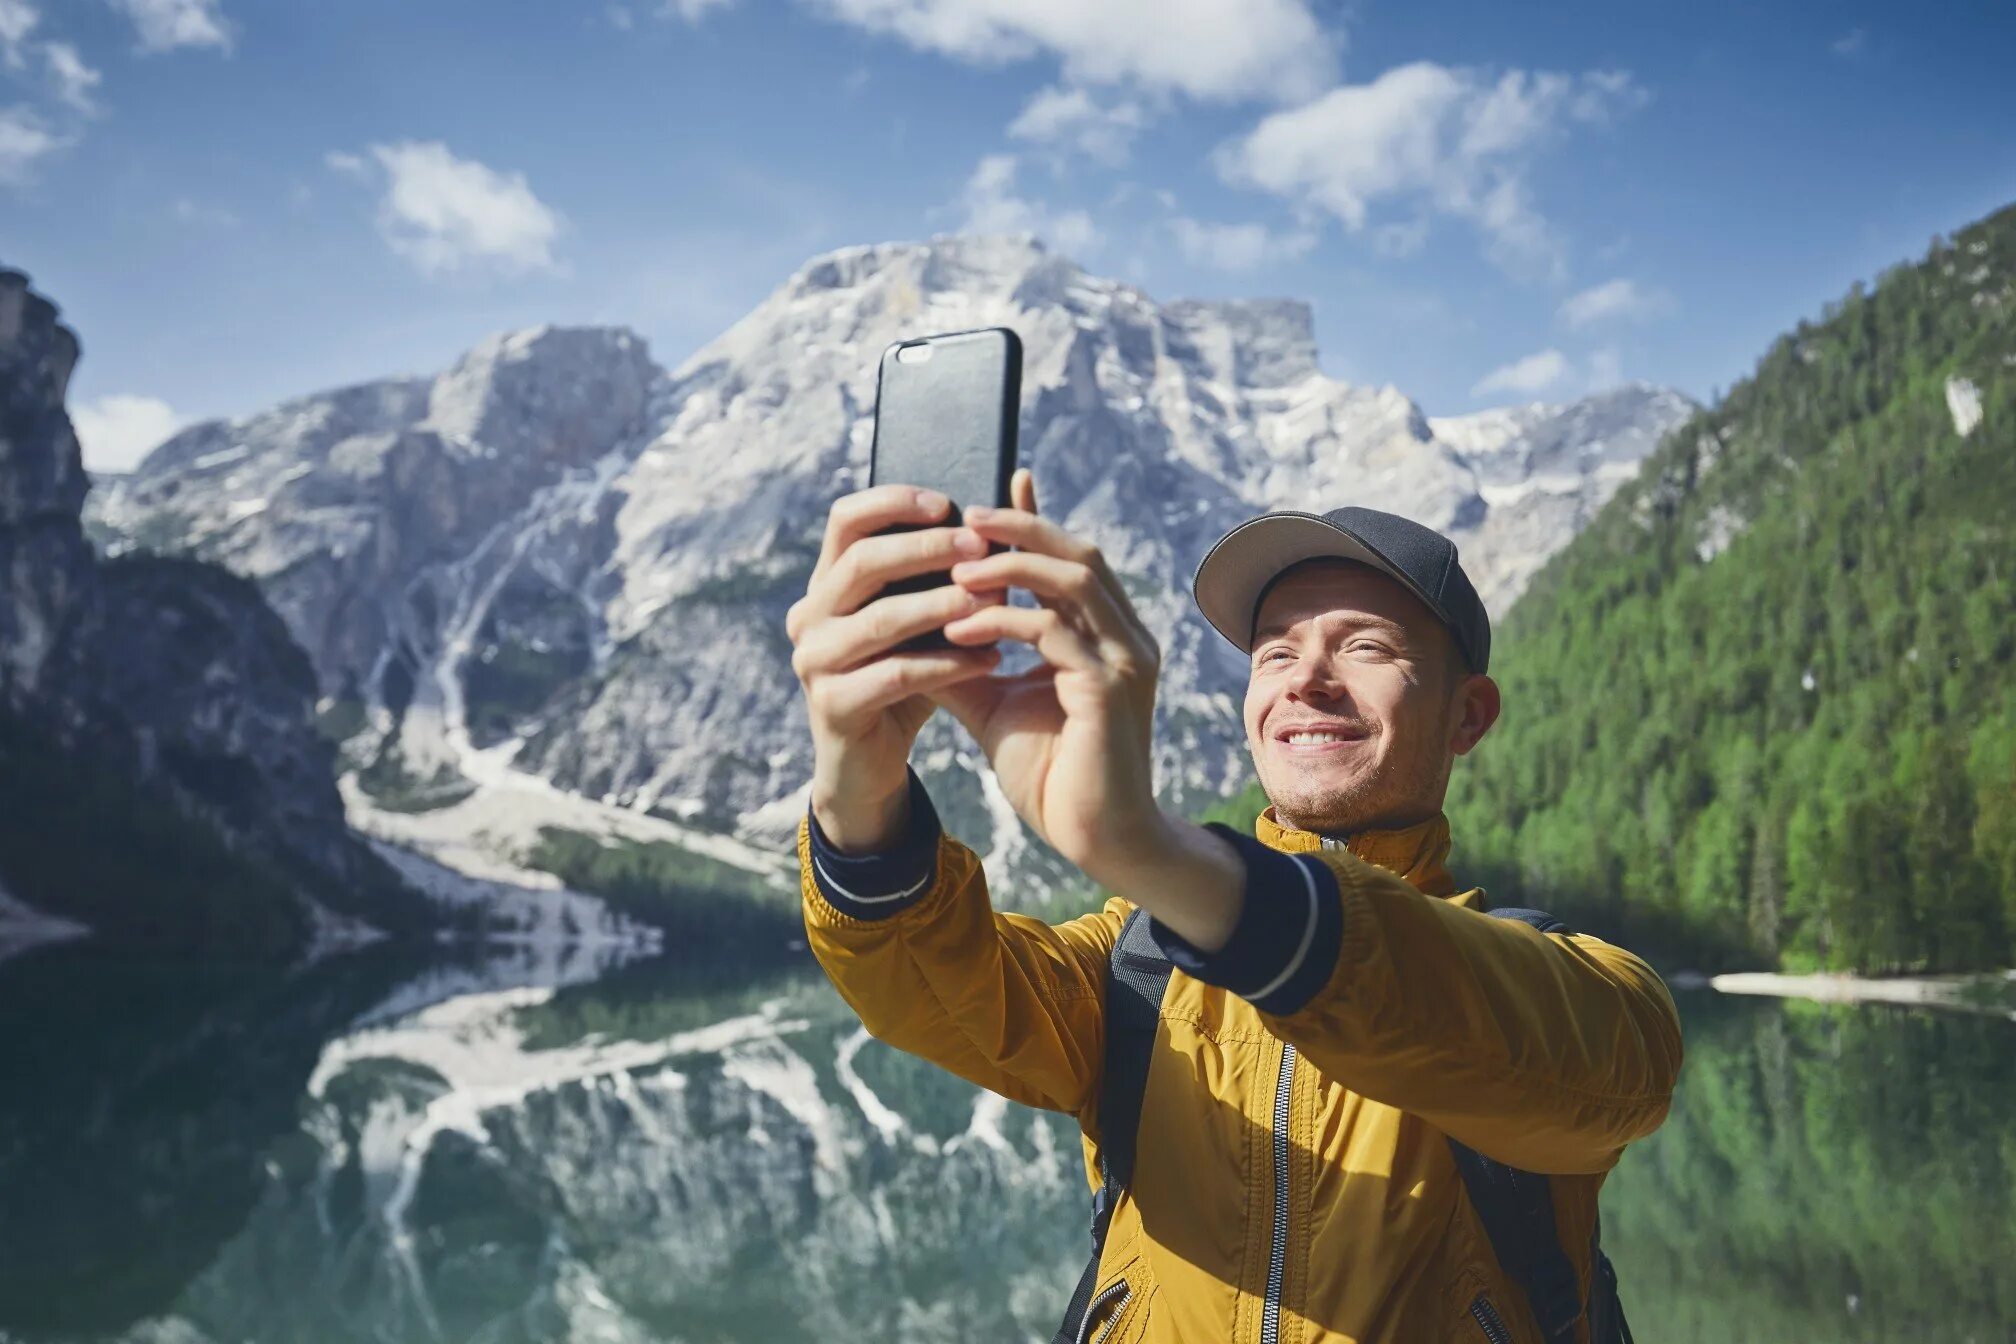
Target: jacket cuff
point(1291, 925)
point(885, 884)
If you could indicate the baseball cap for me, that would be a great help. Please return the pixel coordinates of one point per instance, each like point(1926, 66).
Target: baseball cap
point(1236, 571)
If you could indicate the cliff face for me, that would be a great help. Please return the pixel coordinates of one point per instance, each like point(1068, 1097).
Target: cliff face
point(48, 569)
point(155, 711)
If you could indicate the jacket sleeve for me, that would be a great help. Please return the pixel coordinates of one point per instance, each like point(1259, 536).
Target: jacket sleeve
point(912, 943)
point(1548, 1052)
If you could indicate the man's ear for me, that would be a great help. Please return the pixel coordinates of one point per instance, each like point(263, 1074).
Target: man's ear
point(1479, 705)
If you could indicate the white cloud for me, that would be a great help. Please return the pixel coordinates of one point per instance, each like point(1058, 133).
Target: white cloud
point(1620, 298)
point(1237, 247)
point(691, 11)
point(164, 25)
point(115, 432)
point(1534, 373)
point(446, 214)
point(1435, 139)
point(1073, 119)
point(17, 19)
point(993, 206)
point(1850, 44)
point(74, 79)
point(1205, 48)
point(24, 140)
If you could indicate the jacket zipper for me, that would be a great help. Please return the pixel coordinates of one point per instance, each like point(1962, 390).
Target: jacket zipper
point(1123, 1292)
point(1488, 1321)
point(1277, 1255)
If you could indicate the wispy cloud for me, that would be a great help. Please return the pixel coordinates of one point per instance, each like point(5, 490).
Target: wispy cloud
point(75, 81)
point(992, 204)
point(197, 214)
point(1237, 247)
point(17, 19)
point(1533, 374)
point(116, 432)
point(165, 25)
point(25, 140)
point(1432, 140)
point(1612, 300)
point(691, 11)
point(1074, 119)
point(446, 214)
point(1204, 48)
point(1850, 44)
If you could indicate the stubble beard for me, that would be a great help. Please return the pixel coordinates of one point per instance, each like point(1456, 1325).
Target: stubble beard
point(1389, 795)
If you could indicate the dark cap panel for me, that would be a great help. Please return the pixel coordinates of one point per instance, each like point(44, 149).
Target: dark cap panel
point(1238, 569)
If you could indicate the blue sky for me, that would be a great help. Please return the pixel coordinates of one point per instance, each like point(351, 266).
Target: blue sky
point(240, 200)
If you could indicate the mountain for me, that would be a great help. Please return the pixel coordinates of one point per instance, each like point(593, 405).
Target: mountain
point(160, 771)
point(1766, 700)
point(557, 573)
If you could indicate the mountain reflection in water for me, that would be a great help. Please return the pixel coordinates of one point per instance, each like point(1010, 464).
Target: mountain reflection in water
point(512, 1148)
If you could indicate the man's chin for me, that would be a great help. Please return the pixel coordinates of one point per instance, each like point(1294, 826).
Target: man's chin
point(1340, 810)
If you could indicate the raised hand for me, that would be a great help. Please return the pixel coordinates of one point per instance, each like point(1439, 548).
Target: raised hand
point(1069, 740)
point(867, 703)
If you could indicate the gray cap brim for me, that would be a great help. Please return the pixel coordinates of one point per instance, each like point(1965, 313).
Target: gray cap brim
point(1249, 557)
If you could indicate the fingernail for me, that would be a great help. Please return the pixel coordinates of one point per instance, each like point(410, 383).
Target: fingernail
point(978, 513)
point(932, 502)
point(969, 543)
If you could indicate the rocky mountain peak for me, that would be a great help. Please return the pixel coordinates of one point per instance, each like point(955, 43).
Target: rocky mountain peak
point(598, 604)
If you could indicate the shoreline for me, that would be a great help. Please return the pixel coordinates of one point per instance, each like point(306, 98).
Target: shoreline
point(1989, 992)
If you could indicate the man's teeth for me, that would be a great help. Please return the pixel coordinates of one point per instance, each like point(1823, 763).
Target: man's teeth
point(1311, 739)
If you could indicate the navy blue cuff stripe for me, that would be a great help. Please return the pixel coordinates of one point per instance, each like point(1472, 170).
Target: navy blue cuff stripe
point(884, 884)
point(1290, 928)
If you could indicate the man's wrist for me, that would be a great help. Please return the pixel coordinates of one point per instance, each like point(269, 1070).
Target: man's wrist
point(1179, 873)
point(858, 823)
point(889, 880)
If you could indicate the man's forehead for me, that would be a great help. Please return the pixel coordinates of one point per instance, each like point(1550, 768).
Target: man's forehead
point(1342, 592)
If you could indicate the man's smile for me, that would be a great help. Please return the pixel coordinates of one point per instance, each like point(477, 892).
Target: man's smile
point(1302, 738)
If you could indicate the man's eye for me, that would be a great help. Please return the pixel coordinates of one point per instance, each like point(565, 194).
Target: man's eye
point(1275, 655)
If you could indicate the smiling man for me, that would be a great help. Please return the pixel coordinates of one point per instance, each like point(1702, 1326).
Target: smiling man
point(1326, 1096)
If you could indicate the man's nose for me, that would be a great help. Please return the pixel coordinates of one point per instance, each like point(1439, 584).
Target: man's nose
point(1311, 679)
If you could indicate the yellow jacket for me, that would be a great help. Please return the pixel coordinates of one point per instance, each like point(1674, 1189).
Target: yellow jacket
point(1423, 1018)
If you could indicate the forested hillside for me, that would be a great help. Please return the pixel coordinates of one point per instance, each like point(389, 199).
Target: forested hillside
point(1767, 700)
point(1763, 709)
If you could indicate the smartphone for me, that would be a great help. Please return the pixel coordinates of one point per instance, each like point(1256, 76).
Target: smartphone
point(946, 412)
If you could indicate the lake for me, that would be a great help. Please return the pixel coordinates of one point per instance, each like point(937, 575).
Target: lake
point(511, 1146)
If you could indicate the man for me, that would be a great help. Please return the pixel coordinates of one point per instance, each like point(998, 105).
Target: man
point(1342, 1021)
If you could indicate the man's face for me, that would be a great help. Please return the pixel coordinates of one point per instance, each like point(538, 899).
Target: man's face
point(1357, 704)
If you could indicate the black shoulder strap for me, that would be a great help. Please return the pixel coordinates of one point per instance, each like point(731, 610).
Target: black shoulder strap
point(1136, 975)
point(1517, 1210)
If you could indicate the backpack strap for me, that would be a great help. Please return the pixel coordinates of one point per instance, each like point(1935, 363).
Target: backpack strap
point(1136, 975)
point(1517, 1210)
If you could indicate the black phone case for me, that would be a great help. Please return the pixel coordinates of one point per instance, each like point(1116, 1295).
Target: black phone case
point(948, 423)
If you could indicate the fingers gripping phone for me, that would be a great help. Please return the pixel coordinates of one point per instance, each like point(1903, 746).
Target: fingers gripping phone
point(946, 411)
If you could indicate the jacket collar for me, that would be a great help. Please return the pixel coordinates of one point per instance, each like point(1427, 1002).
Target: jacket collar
point(1418, 853)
